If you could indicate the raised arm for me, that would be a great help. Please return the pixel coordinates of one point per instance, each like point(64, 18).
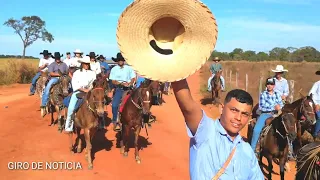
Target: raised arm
point(190, 109)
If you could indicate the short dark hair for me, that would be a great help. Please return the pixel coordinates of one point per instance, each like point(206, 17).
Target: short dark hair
point(240, 95)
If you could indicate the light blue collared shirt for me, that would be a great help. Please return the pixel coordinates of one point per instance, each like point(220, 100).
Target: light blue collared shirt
point(211, 146)
point(282, 86)
point(124, 74)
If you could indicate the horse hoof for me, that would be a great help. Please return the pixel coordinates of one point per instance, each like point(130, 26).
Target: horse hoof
point(138, 160)
point(90, 166)
point(121, 150)
point(79, 150)
point(125, 154)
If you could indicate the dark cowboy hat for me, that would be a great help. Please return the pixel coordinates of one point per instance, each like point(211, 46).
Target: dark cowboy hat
point(101, 57)
point(118, 58)
point(318, 72)
point(68, 53)
point(56, 55)
point(92, 54)
point(45, 52)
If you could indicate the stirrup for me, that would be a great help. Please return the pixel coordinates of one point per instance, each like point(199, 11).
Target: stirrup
point(117, 127)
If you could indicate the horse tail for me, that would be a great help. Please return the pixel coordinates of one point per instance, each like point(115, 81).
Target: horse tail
point(308, 161)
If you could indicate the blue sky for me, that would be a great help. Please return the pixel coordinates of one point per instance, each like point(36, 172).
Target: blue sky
point(257, 25)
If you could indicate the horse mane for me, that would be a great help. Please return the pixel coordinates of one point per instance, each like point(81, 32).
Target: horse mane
point(307, 161)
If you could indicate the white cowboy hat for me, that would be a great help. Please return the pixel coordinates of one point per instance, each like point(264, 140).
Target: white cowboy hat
point(279, 68)
point(78, 51)
point(85, 59)
point(170, 40)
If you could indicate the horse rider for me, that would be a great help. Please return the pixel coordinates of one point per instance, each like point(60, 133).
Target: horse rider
point(94, 64)
point(67, 60)
point(43, 67)
point(270, 102)
point(281, 85)
point(77, 56)
point(82, 81)
point(105, 68)
point(54, 79)
point(214, 68)
point(123, 77)
point(315, 91)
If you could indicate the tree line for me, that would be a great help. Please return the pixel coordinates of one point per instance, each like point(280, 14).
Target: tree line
point(17, 57)
point(307, 53)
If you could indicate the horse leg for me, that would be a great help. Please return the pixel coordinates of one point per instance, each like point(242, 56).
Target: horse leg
point(270, 166)
point(126, 140)
point(212, 95)
point(88, 148)
point(51, 107)
point(282, 162)
point(136, 138)
point(59, 118)
point(121, 137)
point(70, 143)
point(79, 146)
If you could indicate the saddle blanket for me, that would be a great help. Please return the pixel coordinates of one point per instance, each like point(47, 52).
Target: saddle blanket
point(125, 99)
point(66, 102)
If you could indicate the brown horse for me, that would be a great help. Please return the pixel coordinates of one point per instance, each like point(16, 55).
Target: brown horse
point(41, 83)
point(87, 118)
point(303, 110)
point(135, 114)
point(57, 93)
point(273, 142)
point(308, 162)
point(216, 88)
point(156, 88)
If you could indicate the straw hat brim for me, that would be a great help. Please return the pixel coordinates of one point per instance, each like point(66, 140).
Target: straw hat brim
point(199, 38)
point(284, 70)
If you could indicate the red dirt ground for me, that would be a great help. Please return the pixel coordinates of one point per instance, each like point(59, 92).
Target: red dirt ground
point(26, 137)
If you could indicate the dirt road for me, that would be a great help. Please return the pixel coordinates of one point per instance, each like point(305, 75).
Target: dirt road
point(26, 137)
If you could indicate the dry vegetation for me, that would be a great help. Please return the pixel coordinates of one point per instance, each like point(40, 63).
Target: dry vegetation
point(303, 73)
point(17, 70)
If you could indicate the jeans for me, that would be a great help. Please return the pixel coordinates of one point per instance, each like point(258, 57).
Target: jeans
point(167, 86)
point(46, 93)
point(116, 103)
point(222, 81)
point(33, 83)
point(71, 107)
point(258, 128)
point(317, 126)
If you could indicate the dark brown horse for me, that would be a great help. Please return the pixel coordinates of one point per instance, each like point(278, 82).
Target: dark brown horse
point(308, 162)
point(303, 110)
point(41, 83)
point(273, 142)
point(87, 118)
point(216, 88)
point(57, 93)
point(156, 89)
point(135, 114)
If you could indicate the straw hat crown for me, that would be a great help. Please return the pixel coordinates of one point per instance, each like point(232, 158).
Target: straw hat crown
point(170, 40)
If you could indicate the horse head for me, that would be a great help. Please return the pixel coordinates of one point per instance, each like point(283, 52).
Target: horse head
point(287, 125)
point(64, 81)
point(143, 96)
point(307, 109)
point(96, 97)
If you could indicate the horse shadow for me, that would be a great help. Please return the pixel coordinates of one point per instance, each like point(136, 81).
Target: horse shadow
point(264, 169)
point(142, 141)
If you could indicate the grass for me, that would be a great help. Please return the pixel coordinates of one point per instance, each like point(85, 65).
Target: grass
point(17, 70)
point(302, 73)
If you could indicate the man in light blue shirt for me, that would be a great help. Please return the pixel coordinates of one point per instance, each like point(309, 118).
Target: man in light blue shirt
point(281, 83)
point(212, 141)
point(122, 77)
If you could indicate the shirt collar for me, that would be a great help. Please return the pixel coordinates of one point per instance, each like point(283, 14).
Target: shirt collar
point(223, 132)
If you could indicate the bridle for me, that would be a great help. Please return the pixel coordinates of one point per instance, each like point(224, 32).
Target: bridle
point(303, 111)
point(139, 105)
point(95, 101)
point(285, 128)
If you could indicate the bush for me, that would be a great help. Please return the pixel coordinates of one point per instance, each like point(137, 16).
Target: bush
point(17, 71)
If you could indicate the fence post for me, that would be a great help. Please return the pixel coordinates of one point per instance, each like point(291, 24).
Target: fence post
point(291, 91)
point(230, 75)
point(247, 82)
point(237, 75)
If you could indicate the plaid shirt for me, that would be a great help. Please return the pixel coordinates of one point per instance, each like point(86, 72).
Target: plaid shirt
point(268, 101)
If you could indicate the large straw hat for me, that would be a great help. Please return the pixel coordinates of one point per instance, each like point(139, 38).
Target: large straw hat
point(279, 68)
point(166, 40)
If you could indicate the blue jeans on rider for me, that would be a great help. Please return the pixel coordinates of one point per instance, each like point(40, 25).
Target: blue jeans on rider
point(222, 81)
point(317, 126)
point(258, 128)
point(71, 107)
point(115, 103)
point(46, 93)
point(33, 82)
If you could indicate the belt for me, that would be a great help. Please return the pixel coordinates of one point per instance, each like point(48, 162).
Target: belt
point(266, 111)
point(122, 87)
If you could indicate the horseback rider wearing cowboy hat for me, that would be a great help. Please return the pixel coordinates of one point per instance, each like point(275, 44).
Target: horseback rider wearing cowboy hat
point(94, 64)
point(77, 56)
point(54, 78)
point(315, 91)
point(43, 67)
point(82, 81)
point(122, 77)
point(281, 83)
point(214, 68)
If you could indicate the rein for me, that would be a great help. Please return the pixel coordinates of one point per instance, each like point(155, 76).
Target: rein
point(285, 128)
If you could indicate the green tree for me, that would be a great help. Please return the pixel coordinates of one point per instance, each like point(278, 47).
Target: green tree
point(262, 56)
point(29, 29)
point(249, 55)
point(281, 54)
point(237, 51)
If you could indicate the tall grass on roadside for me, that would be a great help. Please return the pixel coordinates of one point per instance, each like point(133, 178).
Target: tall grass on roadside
point(17, 71)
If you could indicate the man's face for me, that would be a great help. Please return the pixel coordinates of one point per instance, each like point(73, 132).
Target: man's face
point(120, 63)
point(58, 60)
point(235, 115)
point(279, 74)
point(78, 54)
point(46, 56)
point(270, 86)
point(68, 56)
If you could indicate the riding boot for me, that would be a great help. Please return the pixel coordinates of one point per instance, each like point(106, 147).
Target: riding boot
point(117, 124)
